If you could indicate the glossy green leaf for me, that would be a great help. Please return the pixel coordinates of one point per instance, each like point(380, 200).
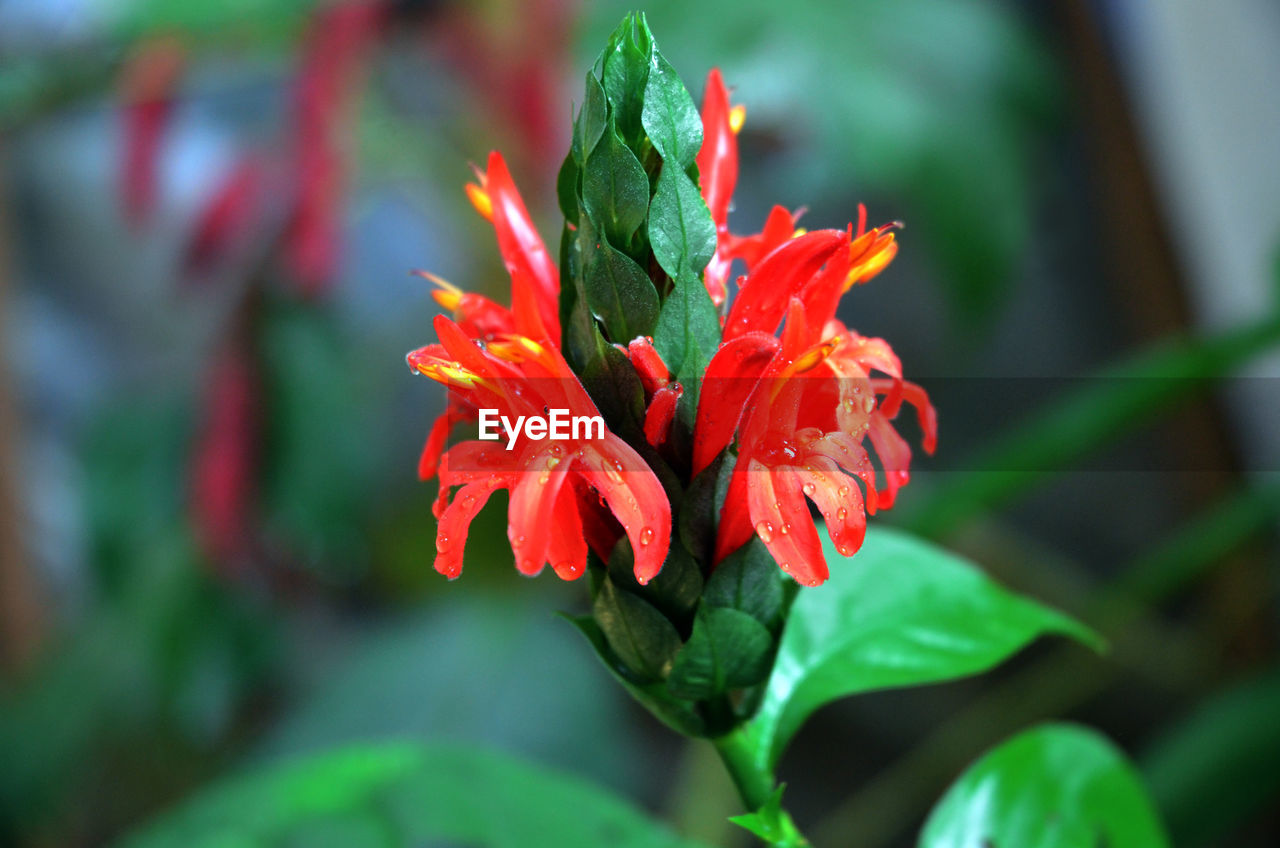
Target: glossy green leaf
point(403, 794)
point(1054, 786)
point(615, 189)
point(567, 188)
point(688, 332)
point(642, 637)
point(727, 650)
point(669, 116)
point(620, 294)
point(681, 231)
point(900, 612)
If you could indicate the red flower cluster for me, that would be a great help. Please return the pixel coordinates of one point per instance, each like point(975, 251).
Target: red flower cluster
point(800, 403)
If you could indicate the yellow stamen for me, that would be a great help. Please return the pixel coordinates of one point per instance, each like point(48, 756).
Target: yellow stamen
point(480, 200)
point(806, 361)
point(737, 117)
point(448, 295)
point(799, 232)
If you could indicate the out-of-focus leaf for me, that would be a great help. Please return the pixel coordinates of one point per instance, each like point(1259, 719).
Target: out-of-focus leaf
point(900, 612)
point(415, 677)
point(406, 794)
point(1211, 771)
point(1121, 398)
point(1054, 786)
point(318, 457)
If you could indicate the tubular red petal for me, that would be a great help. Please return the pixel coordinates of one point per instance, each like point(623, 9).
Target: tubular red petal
point(635, 497)
point(434, 447)
point(728, 383)
point(530, 523)
point(778, 229)
point(895, 457)
point(535, 282)
point(661, 412)
point(764, 295)
point(648, 364)
point(455, 521)
point(568, 547)
point(734, 529)
point(782, 521)
point(718, 157)
point(839, 499)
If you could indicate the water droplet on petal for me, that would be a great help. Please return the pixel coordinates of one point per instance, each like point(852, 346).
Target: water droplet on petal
point(764, 530)
point(785, 529)
point(868, 404)
point(845, 549)
point(442, 543)
point(841, 514)
point(809, 489)
point(646, 536)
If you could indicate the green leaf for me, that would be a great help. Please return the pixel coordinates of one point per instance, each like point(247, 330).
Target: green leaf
point(626, 70)
point(900, 612)
point(620, 293)
point(642, 637)
point(615, 190)
point(676, 588)
point(567, 188)
point(590, 124)
point(680, 716)
point(403, 794)
point(750, 581)
point(772, 823)
point(669, 116)
point(687, 334)
point(681, 231)
point(727, 650)
point(1054, 786)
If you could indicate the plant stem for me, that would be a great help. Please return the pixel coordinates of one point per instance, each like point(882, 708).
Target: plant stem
point(738, 754)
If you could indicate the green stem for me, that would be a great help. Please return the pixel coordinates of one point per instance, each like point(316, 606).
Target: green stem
point(738, 754)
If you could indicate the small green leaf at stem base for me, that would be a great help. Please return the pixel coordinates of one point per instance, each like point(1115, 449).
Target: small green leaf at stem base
point(772, 823)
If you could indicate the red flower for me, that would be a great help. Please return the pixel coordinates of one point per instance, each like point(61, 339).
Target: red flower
point(148, 85)
point(555, 484)
point(801, 405)
point(535, 290)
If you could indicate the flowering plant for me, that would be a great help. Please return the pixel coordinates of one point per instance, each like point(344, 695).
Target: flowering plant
point(724, 417)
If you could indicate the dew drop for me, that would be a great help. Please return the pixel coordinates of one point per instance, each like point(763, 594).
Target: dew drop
point(785, 529)
point(841, 514)
point(544, 479)
point(646, 536)
point(868, 404)
point(442, 544)
point(764, 530)
point(809, 489)
point(845, 549)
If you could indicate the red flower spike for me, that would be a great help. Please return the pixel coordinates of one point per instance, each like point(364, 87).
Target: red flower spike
point(516, 375)
point(227, 217)
point(718, 173)
point(648, 364)
point(535, 281)
point(660, 414)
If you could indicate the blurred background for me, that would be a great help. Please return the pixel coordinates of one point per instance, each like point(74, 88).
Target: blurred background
point(214, 550)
